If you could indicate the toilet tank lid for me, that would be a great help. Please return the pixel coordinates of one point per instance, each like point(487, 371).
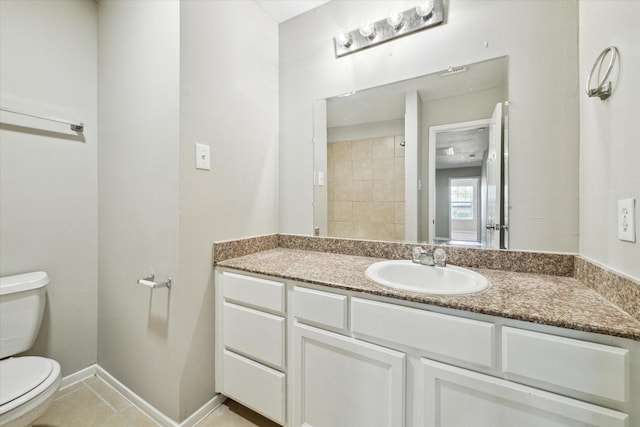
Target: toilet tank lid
point(23, 282)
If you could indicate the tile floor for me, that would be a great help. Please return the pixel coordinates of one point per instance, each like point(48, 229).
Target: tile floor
point(93, 402)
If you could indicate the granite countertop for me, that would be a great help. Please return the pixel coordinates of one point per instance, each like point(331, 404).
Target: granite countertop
point(550, 300)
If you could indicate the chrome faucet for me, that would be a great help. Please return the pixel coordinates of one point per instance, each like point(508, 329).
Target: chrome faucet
point(424, 256)
point(440, 257)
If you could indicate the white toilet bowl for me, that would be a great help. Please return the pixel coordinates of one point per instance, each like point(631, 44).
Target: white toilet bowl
point(29, 384)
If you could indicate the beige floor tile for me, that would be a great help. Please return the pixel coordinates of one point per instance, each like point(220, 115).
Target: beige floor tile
point(135, 417)
point(111, 395)
point(68, 390)
point(232, 414)
point(115, 421)
point(81, 408)
point(82, 405)
point(92, 380)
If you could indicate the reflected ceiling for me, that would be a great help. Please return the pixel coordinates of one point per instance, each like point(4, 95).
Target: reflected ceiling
point(388, 102)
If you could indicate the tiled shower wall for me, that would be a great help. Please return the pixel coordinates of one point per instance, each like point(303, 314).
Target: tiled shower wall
point(365, 188)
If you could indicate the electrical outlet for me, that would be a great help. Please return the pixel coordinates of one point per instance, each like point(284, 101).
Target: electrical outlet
point(627, 220)
point(203, 157)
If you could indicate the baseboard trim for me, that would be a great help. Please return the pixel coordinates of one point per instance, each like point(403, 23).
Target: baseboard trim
point(204, 410)
point(140, 403)
point(76, 377)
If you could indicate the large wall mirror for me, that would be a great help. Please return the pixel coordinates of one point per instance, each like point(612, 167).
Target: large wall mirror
point(419, 160)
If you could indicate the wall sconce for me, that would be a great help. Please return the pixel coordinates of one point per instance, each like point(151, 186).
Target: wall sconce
point(427, 13)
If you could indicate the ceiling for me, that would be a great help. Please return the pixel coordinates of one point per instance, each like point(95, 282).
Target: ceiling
point(466, 146)
point(282, 10)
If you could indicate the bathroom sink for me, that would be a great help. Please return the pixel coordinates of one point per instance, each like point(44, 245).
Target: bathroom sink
point(409, 276)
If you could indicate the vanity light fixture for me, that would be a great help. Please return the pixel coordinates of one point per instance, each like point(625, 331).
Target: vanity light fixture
point(424, 9)
point(367, 29)
point(427, 13)
point(344, 39)
point(396, 19)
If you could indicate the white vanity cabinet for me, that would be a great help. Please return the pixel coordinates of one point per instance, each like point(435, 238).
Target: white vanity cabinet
point(336, 380)
point(455, 397)
point(352, 359)
point(339, 381)
point(251, 342)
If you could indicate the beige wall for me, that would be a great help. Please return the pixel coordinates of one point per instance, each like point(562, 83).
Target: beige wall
point(229, 101)
point(365, 188)
point(609, 142)
point(138, 108)
point(48, 174)
point(543, 90)
point(178, 82)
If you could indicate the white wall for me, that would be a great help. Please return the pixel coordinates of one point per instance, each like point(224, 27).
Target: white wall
point(138, 107)
point(542, 88)
point(48, 174)
point(171, 78)
point(229, 101)
point(609, 141)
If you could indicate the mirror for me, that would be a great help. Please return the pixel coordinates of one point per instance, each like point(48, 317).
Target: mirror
point(420, 160)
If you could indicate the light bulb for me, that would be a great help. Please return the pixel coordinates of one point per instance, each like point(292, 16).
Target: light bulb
point(396, 20)
point(344, 39)
point(367, 29)
point(424, 9)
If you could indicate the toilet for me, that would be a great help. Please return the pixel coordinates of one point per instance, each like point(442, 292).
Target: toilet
point(27, 383)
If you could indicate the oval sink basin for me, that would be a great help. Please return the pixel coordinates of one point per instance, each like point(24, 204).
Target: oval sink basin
point(409, 276)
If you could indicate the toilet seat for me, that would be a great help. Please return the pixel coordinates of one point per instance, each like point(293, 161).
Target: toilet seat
point(27, 382)
point(20, 375)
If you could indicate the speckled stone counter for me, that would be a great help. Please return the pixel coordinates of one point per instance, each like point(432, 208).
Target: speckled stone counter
point(555, 300)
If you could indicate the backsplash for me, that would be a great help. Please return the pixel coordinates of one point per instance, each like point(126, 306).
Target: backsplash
point(518, 261)
point(621, 291)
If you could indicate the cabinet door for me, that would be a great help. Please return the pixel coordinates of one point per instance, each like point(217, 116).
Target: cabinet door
point(455, 397)
point(342, 382)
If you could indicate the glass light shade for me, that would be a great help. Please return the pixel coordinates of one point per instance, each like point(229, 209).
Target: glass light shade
point(344, 39)
point(395, 19)
point(367, 29)
point(425, 8)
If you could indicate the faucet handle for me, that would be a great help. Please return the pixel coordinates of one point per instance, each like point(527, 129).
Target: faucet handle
point(422, 255)
point(440, 257)
point(417, 252)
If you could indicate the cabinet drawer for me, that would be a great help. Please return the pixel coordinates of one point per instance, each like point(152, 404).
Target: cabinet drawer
point(459, 397)
point(580, 366)
point(319, 307)
point(254, 333)
point(254, 385)
point(253, 291)
point(437, 335)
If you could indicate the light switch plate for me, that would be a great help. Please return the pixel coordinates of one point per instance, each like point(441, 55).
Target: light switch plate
point(203, 157)
point(627, 220)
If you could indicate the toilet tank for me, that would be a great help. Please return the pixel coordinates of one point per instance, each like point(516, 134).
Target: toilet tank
point(22, 300)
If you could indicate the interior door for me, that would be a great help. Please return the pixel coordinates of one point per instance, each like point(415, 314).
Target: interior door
point(494, 169)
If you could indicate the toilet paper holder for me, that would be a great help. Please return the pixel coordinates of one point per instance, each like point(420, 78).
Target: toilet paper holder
point(150, 282)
